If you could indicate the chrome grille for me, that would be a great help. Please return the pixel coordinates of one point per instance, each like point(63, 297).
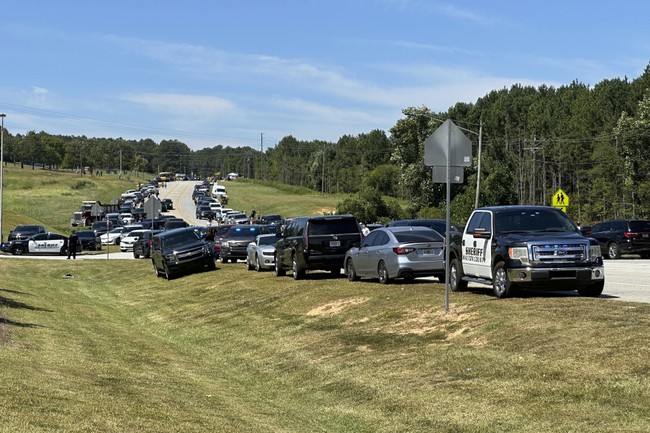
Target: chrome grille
point(559, 253)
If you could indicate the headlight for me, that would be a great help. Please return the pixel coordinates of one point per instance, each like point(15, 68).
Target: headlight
point(594, 252)
point(519, 253)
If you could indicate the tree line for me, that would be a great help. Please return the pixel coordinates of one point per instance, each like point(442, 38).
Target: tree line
point(593, 142)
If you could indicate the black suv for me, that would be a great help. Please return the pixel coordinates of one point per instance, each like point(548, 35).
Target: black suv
point(24, 232)
point(318, 242)
point(618, 237)
point(177, 250)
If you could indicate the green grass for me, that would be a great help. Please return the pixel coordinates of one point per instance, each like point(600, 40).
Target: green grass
point(233, 350)
point(116, 349)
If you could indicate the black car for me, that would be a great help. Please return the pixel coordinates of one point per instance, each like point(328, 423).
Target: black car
point(204, 212)
point(235, 241)
point(179, 250)
point(25, 231)
point(142, 247)
point(316, 243)
point(624, 236)
point(89, 240)
point(168, 203)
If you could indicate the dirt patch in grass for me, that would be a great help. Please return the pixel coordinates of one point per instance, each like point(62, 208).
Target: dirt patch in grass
point(458, 321)
point(335, 307)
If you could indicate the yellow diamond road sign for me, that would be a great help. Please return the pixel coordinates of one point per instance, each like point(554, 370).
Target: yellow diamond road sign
point(560, 199)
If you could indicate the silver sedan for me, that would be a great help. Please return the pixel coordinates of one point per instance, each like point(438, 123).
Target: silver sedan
point(260, 253)
point(397, 252)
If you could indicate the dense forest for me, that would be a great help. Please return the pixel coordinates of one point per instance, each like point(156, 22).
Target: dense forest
point(593, 142)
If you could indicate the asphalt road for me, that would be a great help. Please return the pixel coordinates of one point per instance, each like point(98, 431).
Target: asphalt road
point(626, 279)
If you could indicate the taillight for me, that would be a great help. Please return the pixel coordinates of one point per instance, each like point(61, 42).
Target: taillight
point(149, 242)
point(402, 250)
point(630, 235)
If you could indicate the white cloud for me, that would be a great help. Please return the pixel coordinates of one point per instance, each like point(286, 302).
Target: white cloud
point(182, 105)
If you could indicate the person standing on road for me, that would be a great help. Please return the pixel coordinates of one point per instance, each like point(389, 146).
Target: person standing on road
point(73, 240)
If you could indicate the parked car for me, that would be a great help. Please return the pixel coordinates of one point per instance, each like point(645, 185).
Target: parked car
point(237, 218)
point(25, 231)
point(203, 211)
point(219, 233)
point(179, 250)
point(89, 240)
point(397, 252)
point(260, 253)
point(41, 243)
point(142, 247)
point(623, 236)
point(113, 237)
point(272, 220)
point(236, 240)
point(101, 227)
point(316, 243)
point(127, 242)
point(174, 223)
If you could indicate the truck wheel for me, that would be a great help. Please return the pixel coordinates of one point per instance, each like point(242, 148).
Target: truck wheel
point(155, 269)
point(500, 282)
point(456, 283)
point(298, 272)
point(168, 274)
point(382, 273)
point(592, 290)
point(613, 251)
point(279, 271)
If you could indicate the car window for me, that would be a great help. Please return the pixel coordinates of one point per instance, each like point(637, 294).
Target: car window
point(418, 236)
point(330, 227)
point(370, 239)
point(640, 226)
point(477, 222)
point(381, 239)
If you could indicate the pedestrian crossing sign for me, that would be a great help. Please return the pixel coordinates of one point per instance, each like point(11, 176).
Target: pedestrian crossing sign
point(560, 199)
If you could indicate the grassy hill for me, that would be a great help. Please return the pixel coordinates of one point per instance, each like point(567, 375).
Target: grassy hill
point(116, 349)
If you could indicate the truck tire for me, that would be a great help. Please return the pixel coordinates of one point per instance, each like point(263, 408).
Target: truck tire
point(592, 290)
point(298, 272)
point(456, 283)
point(613, 251)
point(501, 285)
point(279, 270)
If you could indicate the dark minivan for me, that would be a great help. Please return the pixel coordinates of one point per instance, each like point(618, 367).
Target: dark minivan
point(178, 250)
point(622, 236)
point(315, 243)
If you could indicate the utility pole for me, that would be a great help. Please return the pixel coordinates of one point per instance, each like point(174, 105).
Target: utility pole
point(261, 156)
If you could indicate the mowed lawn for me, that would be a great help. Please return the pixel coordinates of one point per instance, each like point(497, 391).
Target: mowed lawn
point(115, 349)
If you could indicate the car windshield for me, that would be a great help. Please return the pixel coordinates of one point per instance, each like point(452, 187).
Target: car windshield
point(537, 220)
point(184, 237)
point(268, 240)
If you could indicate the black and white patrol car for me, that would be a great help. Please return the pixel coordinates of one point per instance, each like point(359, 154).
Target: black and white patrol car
point(42, 243)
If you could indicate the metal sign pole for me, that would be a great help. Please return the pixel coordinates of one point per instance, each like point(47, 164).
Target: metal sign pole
point(448, 227)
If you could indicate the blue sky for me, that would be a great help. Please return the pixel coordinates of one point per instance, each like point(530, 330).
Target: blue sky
point(213, 73)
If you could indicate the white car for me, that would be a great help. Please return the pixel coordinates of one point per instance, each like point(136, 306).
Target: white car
point(112, 237)
point(126, 244)
point(126, 218)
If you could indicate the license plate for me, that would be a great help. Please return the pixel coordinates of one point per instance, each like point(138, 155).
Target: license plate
point(427, 252)
point(335, 243)
point(645, 235)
